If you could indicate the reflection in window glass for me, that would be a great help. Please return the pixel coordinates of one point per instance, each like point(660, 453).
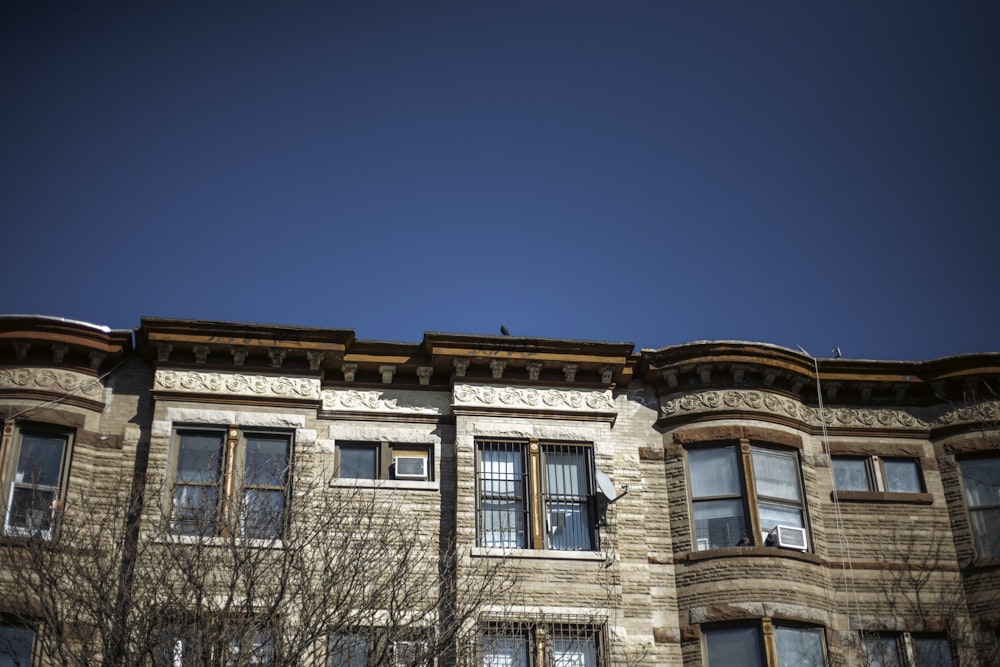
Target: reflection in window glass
point(799, 647)
point(880, 651)
point(358, 462)
point(349, 650)
point(716, 498)
point(15, 646)
point(734, 647)
point(902, 476)
point(933, 652)
point(981, 478)
point(851, 474)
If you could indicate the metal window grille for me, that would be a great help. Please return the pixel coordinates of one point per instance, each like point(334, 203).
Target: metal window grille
point(567, 493)
point(503, 519)
point(542, 645)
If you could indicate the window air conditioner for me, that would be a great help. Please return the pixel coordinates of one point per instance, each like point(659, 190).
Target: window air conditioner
point(792, 537)
point(411, 467)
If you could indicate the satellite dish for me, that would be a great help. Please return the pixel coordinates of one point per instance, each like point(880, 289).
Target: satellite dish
point(605, 486)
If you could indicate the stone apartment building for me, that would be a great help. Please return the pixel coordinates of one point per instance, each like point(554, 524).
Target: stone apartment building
point(540, 502)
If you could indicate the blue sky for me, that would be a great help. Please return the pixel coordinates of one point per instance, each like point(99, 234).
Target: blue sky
point(656, 172)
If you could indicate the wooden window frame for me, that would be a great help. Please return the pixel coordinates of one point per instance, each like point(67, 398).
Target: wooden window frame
point(230, 484)
point(765, 629)
point(13, 441)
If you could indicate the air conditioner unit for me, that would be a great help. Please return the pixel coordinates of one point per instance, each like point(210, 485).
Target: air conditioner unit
point(702, 543)
point(411, 467)
point(792, 537)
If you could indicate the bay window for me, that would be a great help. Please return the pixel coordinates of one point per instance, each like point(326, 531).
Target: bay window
point(36, 479)
point(877, 474)
point(981, 479)
point(743, 645)
point(740, 495)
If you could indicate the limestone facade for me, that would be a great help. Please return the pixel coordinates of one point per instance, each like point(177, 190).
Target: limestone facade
point(632, 496)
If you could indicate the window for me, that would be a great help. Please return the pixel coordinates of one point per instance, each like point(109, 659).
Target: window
point(981, 478)
point(906, 650)
point(349, 650)
point(383, 460)
point(542, 645)
point(410, 654)
point(875, 473)
point(743, 646)
point(563, 493)
point(37, 477)
point(15, 645)
point(722, 507)
point(253, 464)
point(220, 647)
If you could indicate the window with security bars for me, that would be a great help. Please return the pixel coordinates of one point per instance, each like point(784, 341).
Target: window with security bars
point(542, 645)
point(562, 490)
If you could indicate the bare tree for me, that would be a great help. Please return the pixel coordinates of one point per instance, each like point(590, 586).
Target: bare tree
point(334, 576)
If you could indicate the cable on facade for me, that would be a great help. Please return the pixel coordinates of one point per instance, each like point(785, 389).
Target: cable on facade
point(847, 567)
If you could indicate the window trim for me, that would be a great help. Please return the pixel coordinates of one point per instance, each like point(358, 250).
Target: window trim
point(877, 478)
point(766, 630)
point(230, 487)
point(13, 447)
point(533, 454)
point(749, 498)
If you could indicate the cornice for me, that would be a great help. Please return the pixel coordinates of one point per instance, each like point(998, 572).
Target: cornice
point(237, 384)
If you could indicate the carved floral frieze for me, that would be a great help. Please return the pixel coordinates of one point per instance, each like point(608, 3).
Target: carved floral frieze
point(237, 383)
point(530, 398)
point(986, 413)
point(763, 402)
point(51, 380)
point(378, 400)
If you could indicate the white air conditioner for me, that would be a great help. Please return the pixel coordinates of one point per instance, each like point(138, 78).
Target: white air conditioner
point(791, 537)
point(411, 467)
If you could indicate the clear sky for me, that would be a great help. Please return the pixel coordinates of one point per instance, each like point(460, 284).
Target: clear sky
point(796, 173)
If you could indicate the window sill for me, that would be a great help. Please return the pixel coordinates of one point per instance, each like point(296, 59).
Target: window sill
point(984, 562)
point(546, 554)
point(881, 497)
point(212, 541)
point(400, 484)
point(750, 552)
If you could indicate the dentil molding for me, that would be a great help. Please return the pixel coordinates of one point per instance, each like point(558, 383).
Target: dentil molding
point(530, 398)
point(52, 380)
point(278, 386)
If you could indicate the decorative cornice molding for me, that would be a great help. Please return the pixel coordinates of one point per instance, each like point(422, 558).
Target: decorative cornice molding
point(772, 404)
point(237, 384)
point(380, 400)
point(985, 414)
point(530, 398)
point(52, 380)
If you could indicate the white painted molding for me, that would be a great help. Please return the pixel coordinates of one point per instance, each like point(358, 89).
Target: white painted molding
point(237, 384)
point(52, 380)
point(531, 398)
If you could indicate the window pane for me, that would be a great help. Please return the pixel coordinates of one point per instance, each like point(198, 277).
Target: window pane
point(574, 652)
point(31, 508)
point(40, 460)
point(851, 474)
point(566, 474)
point(718, 524)
point(933, 652)
point(252, 649)
point(880, 651)
point(199, 458)
point(902, 476)
point(799, 647)
point(193, 511)
point(982, 481)
point(733, 647)
point(266, 461)
point(714, 472)
point(568, 526)
point(359, 462)
point(349, 651)
point(985, 528)
point(772, 514)
point(505, 650)
point(15, 646)
point(501, 472)
point(503, 524)
point(263, 513)
point(776, 474)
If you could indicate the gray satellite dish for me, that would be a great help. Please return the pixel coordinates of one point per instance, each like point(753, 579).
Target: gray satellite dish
point(605, 486)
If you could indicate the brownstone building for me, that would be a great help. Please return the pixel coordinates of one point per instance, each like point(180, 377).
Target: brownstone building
point(712, 503)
